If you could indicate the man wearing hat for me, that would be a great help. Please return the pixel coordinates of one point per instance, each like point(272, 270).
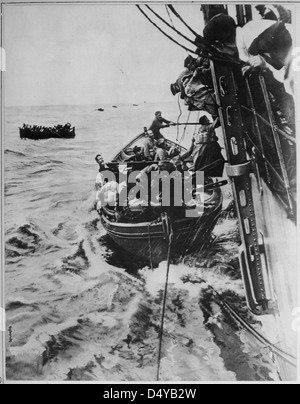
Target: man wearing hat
point(205, 136)
point(149, 146)
point(159, 123)
point(161, 152)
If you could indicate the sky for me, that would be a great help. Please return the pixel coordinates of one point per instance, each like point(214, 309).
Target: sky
point(90, 54)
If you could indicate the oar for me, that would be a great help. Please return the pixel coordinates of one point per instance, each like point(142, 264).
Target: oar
point(186, 124)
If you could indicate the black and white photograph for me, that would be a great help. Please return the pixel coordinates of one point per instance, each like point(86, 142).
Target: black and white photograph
point(149, 195)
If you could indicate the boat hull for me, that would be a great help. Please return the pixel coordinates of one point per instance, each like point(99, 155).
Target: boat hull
point(28, 134)
point(151, 243)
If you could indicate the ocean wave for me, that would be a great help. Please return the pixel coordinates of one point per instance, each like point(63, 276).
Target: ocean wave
point(16, 153)
point(19, 302)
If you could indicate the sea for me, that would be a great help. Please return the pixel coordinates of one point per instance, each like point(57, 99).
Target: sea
point(78, 308)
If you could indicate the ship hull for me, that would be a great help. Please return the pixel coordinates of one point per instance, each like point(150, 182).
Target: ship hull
point(280, 239)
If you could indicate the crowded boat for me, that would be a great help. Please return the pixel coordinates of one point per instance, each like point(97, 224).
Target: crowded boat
point(36, 132)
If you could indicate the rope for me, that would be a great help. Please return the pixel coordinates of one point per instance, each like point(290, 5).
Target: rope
point(170, 16)
point(218, 56)
point(185, 128)
point(199, 38)
point(280, 179)
point(178, 119)
point(164, 33)
point(164, 302)
point(196, 125)
point(290, 138)
point(284, 355)
point(171, 20)
point(150, 247)
point(181, 19)
point(170, 26)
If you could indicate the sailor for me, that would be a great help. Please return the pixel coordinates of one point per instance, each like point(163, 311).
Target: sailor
point(263, 43)
point(205, 148)
point(274, 13)
point(149, 146)
point(138, 155)
point(159, 123)
point(266, 46)
point(267, 13)
point(161, 150)
point(108, 194)
point(102, 167)
point(145, 133)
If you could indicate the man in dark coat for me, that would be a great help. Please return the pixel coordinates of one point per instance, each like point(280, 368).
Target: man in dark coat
point(159, 123)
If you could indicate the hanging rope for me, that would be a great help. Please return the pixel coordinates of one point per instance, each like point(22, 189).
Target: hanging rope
point(178, 119)
point(170, 16)
point(150, 247)
point(208, 48)
point(284, 355)
point(279, 178)
point(289, 138)
point(185, 128)
point(172, 22)
point(165, 34)
point(170, 26)
point(171, 235)
point(209, 54)
point(196, 126)
point(181, 19)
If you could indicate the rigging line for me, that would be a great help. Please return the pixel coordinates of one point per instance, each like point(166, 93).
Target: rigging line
point(218, 58)
point(243, 323)
point(196, 126)
point(165, 34)
point(280, 179)
point(178, 119)
point(181, 19)
point(150, 247)
point(185, 128)
point(165, 300)
point(171, 20)
point(253, 331)
point(290, 138)
point(199, 37)
point(170, 16)
point(170, 26)
point(221, 57)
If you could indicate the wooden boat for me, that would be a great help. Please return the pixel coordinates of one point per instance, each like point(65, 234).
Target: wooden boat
point(150, 240)
point(48, 133)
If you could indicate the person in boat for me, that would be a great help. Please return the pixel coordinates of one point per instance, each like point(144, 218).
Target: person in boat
point(158, 124)
point(138, 155)
point(149, 146)
point(100, 182)
point(205, 148)
point(108, 195)
point(161, 150)
point(145, 133)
